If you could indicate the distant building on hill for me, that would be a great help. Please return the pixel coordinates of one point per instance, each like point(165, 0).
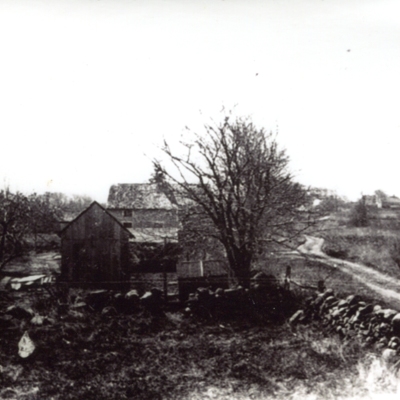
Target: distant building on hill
point(381, 202)
point(322, 193)
point(391, 202)
point(326, 199)
point(373, 201)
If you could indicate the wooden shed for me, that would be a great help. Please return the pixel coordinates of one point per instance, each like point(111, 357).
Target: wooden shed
point(95, 249)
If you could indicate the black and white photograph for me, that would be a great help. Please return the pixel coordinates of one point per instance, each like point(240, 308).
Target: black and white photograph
point(199, 200)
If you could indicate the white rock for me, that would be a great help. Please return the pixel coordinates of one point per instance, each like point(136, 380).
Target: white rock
point(26, 346)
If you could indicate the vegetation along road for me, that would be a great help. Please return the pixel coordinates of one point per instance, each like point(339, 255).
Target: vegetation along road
point(386, 286)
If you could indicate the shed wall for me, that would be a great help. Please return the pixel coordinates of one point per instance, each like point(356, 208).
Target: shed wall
point(94, 248)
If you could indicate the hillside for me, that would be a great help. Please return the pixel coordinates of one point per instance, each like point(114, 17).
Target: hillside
point(376, 245)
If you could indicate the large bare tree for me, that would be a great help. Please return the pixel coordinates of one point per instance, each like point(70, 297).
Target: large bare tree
point(236, 178)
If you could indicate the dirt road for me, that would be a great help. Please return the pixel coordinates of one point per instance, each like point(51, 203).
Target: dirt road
point(386, 286)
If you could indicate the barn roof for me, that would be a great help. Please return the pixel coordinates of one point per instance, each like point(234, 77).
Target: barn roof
point(140, 196)
point(96, 204)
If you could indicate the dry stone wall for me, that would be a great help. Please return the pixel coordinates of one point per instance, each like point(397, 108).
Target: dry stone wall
point(354, 318)
point(264, 298)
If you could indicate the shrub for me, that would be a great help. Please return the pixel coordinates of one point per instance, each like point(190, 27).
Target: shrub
point(336, 246)
point(359, 215)
point(395, 251)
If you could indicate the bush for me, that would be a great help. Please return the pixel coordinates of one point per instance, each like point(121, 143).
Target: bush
point(336, 246)
point(395, 252)
point(359, 216)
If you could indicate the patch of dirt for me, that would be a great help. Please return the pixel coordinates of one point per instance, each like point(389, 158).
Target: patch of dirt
point(312, 246)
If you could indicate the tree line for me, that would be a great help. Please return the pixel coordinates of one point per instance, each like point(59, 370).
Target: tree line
point(26, 218)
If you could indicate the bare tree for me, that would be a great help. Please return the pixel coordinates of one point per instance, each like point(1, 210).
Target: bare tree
point(64, 205)
point(45, 214)
point(15, 223)
point(236, 179)
point(26, 217)
point(381, 194)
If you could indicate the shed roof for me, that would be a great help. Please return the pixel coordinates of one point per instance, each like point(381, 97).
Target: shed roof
point(96, 204)
point(140, 196)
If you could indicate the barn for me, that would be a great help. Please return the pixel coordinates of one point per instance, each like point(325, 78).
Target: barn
point(95, 250)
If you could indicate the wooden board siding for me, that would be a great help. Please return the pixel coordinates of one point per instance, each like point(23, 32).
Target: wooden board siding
point(94, 248)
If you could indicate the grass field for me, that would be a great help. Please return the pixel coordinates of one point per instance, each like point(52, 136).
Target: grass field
point(173, 356)
point(92, 355)
point(306, 272)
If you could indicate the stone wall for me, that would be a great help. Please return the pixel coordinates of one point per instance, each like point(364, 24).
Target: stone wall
point(354, 318)
point(265, 298)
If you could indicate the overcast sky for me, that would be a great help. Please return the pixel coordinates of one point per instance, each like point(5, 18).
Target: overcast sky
point(89, 88)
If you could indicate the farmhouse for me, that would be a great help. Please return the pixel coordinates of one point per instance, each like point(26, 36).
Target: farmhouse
point(146, 210)
point(152, 218)
point(382, 202)
point(154, 215)
point(373, 201)
point(95, 249)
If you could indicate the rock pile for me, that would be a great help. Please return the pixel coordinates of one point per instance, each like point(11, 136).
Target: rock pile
point(106, 302)
point(109, 302)
point(34, 319)
point(352, 317)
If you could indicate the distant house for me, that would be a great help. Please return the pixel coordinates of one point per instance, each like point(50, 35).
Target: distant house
point(373, 201)
point(391, 202)
point(321, 193)
point(95, 249)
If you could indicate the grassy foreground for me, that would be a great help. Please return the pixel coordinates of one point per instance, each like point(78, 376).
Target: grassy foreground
point(90, 355)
